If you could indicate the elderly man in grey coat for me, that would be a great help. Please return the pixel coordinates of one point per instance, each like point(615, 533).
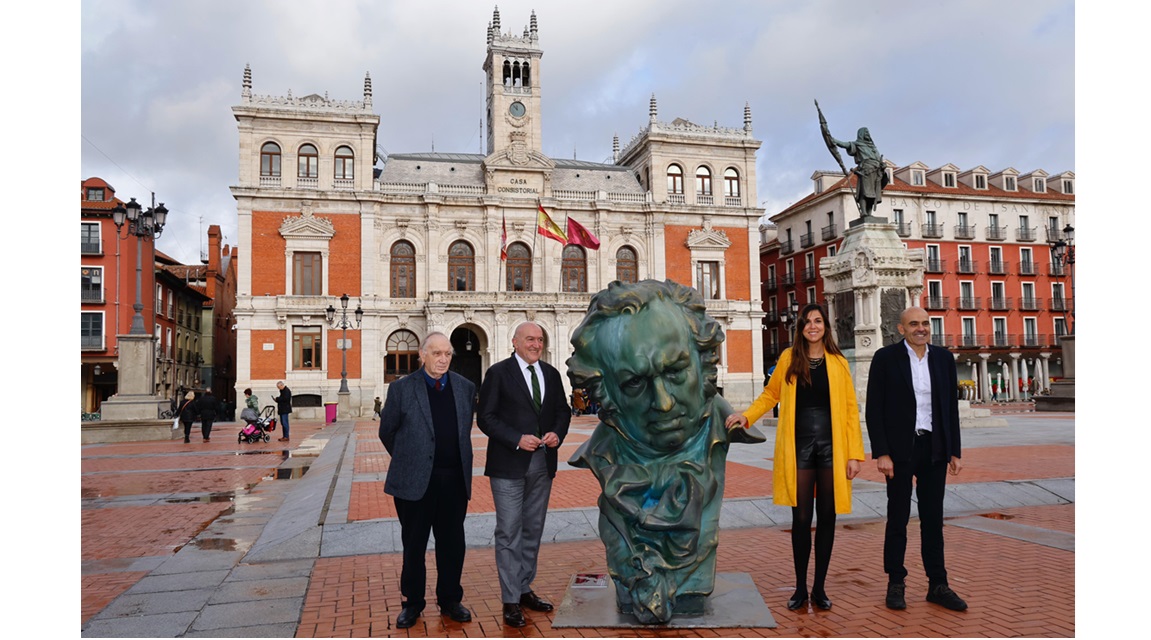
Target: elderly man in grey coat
point(426, 427)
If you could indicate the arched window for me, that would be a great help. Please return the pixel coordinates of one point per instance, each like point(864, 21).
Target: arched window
point(675, 179)
point(345, 163)
point(527, 73)
point(574, 269)
point(403, 270)
point(309, 161)
point(519, 267)
point(403, 355)
point(270, 160)
point(461, 267)
point(626, 265)
point(703, 181)
point(731, 183)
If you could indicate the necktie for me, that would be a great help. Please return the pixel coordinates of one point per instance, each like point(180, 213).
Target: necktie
point(535, 387)
point(438, 385)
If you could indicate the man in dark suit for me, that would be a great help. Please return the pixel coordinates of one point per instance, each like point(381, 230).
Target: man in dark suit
point(913, 422)
point(426, 427)
point(207, 406)
point(524, 412)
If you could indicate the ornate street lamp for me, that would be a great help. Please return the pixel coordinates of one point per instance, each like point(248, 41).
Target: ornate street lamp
point(344, 323)
point(1063, 253)
point(790, 316)
point(148, 223)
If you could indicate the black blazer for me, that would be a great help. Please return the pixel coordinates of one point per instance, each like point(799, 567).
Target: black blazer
point(891, 403)
point(506, 412)
point(408, 434)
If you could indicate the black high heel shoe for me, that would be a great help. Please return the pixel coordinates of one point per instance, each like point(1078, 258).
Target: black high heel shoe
point(821, 601)
point(798, 601)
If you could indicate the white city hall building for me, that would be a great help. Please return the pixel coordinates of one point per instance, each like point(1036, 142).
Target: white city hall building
point(416, 243)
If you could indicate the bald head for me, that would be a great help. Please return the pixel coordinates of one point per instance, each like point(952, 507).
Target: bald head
point(915, 327)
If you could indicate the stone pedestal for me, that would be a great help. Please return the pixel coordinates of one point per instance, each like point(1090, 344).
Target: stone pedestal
point(868, 284)
point(135, 397)
point(1062, 396)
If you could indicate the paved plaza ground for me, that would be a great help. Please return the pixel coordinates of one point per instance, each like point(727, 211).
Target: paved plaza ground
point(223, 539)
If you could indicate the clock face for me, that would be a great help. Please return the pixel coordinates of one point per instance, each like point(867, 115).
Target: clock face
point(517, 109)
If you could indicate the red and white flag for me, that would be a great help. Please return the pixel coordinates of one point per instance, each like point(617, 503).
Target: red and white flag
point(547, 228)
point(577, 234)
point(504, 239)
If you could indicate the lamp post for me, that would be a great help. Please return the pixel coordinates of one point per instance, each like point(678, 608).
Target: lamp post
point(148, 223)
point(1063, 253)
point(343, 323)
point(790, 316)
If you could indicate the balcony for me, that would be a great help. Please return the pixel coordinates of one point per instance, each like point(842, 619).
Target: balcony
point(786, 247)
point(343, 184)
point(1059, 304)
point(91, 295)
point(1000, 304)
point(1056, 269)
point(1027, 268)
point(789, 279)
point(732, 201)
point(807, 240)
point(705, 200)
point(92, 343)
point(1055, 234)
point(996, 233)
point(90, 248)
point(771, 284)
point(828, 232)
point(965, 265)
point(973, 341)
point(935, 303)
point(997, 267)
point(1029, 304)
point(969, 304)
point(1025, 234)
point(675, 198)
point(809, 274)
point(772, 317)
point(932, 230)
point(1001, 340)
point(934, 265)
point(903, 229)
point(1029, 340)
point(941, 340)
point(964, 232)
point(270, 182)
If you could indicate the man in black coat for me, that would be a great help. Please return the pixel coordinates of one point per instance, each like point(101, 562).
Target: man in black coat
point(913, 422)
point(283, 408)
point(524, 412)
point(426, 427)
point(207, 406)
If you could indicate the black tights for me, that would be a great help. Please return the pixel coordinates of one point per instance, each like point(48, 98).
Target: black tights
point(813, 486)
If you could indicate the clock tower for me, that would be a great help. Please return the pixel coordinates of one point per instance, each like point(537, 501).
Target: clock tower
point(513, 92)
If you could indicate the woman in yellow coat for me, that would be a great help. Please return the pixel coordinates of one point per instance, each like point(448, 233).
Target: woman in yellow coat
point(818, 444)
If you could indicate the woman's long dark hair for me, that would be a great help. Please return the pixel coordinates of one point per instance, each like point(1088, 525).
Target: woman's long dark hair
point(799, 369)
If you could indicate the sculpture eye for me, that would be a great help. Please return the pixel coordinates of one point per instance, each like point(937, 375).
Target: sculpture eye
point(633, 386)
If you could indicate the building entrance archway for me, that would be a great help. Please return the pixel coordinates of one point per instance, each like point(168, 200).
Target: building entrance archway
point(469, 343)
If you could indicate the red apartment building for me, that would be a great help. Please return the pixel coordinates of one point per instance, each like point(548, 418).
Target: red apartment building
point(990, 284)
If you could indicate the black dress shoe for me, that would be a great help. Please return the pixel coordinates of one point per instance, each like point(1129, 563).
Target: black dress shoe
point(797, 601)
point(821, 601)
point(457, 612)
point(408, 617)
point(535, 603)
point(895, 595)
point(514, 616)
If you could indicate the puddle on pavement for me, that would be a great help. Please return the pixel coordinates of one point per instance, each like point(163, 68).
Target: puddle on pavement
point(288, 473)
point(997, 516)
point(214, 544)
point(223, 496)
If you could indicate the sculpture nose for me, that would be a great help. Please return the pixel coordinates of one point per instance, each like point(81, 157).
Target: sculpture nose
point(661, 399)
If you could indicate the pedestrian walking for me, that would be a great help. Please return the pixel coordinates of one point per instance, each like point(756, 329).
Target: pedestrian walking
point(376, 408)
point(208, 406)
point(188, 415)
point(284, 407)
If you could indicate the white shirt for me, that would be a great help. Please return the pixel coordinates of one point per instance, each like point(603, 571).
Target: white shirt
point(921, 383)
point(528, 374)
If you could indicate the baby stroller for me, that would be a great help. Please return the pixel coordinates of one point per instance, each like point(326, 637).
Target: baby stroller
point(258, 426)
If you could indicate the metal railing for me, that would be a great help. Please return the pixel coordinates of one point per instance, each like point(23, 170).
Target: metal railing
point(903, 229)
point(90, 248)
point(997, 267)
point(771, 284)
point(941, 340)
point(809, 274)
point(786, 247)
point(934, 265)
point(965, 266)
point(969, 304)
point(1000, 304)
point(935, 303)
point(1026, 268)
point(806, 240)
point(1029, 304)
point(973, 340)
point(828, 232)
point(964, 231)
point(1025, 234)
point(1059, 304)
point(932, 230)
point(92, 342)
point(996, 233)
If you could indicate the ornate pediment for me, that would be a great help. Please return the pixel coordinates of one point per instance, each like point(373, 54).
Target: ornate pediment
point(707, 238)
point(307, 225)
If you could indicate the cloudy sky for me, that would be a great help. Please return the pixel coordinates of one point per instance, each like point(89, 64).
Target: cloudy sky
point(971, 83)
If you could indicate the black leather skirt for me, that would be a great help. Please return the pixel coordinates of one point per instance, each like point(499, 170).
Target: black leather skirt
point(813, 439)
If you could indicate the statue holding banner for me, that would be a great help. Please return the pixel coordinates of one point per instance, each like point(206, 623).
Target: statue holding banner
point(648, 353)
point(869, 170)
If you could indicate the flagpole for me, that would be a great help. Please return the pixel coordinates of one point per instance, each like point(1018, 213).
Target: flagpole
point(535, 240)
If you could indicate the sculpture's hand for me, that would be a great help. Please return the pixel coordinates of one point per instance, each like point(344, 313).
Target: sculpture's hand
point(736, 419)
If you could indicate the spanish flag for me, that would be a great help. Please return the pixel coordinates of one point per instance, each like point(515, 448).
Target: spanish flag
point(545, 227)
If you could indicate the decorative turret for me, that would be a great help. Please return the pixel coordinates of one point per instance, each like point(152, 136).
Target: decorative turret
point(490, 36)
point(615, 148)
point(652, 110)
point(747, 117)
point(246, 92)
point(535, 36)
point(496, 19)
point(367, 90)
